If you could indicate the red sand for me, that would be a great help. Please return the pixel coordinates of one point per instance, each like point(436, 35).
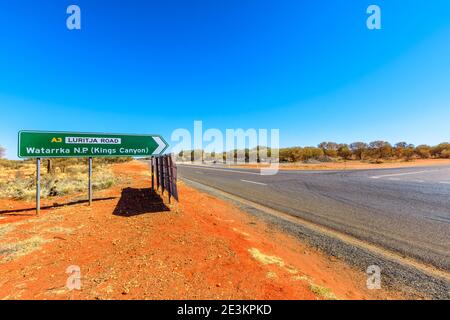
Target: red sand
point(203, 248)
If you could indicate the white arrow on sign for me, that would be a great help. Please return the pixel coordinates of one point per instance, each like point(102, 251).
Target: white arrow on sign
point(161, 145)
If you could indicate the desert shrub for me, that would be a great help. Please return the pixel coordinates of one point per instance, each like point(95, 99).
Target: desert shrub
point(359, 149)
point(344, 151)
point(423, 151)
point(14, 164)
point(311, 153)
point(408, 153)
point(329, 148)
point(403, 150)
point(290, 154)
point(77, 169)
point(19, 188)
point(113, 160)
point(297, 154)
point(324, 159)
point(445, 154)
point(73, 181)
point(439, 149)
point(380, 149)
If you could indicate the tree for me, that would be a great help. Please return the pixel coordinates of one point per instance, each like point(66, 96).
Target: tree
point(401, 145)
point(437, 150)
point(296, 154)
point(262, 153)
point(293, 154)
point(359, 149)
point(311, 153)
point(247, 155)
point(380, 149)
point(445, 154)
point(329, 148)
point(2, 152)
point(344, 151)
point(399, 148)
point(404, 150)
point(423, 151)
point(408, 152)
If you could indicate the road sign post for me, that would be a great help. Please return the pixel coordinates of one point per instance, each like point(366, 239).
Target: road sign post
point(38, 186)
point(152, 168)
point(90, 180)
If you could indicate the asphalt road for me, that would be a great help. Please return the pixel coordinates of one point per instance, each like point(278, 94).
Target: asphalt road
point(406, 210)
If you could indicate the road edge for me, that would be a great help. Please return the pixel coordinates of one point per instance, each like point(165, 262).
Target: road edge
point(397, 272)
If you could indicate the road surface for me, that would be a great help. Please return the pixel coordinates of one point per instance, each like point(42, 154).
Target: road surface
point(406, 210)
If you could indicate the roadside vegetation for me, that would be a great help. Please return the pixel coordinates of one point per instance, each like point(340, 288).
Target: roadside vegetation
point(59, 177)
point(373, 152)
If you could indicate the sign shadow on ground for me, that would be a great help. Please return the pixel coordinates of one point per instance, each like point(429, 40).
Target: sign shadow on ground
point(135, 202)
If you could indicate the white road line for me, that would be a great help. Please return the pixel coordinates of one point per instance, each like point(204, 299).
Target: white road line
point(225, 170)
point(444, 182)
point(260, 183)
point(402, 174)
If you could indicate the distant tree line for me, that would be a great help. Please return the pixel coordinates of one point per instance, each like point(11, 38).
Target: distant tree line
point(375, 150)
point(329, 151)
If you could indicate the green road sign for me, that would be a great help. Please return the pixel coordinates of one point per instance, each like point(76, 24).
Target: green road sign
point(40, 144)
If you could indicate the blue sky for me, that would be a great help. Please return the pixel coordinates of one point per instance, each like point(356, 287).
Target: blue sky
point(310, 68)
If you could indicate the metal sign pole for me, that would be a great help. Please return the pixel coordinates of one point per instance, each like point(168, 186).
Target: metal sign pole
point(38, 186)
point(90, 181)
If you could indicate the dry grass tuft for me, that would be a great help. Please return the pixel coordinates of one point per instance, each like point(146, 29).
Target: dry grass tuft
point(5, 229)
point(322, 292)
point(12, 251)
point(60, 230)
point(265, 259)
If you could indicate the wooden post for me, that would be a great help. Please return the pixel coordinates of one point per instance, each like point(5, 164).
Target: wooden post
point(172, 179)
point(152, 168)
point(169, 182)
point(157, 172)
point(90, 181)
point(38, 186)
point(49, 166)
point(161, 169)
